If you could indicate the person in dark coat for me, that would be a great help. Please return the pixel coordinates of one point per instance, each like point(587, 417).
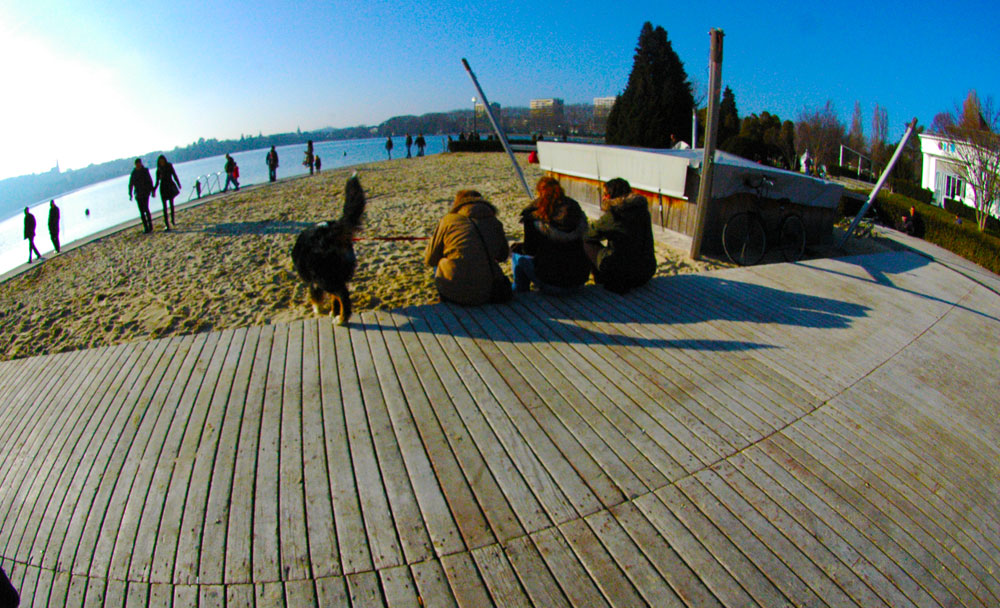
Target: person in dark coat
point(409, 144)
point(169, 185)
point(233, 173)
point(54, 224)
point(388, 147)
point(272, 164)
point(29, 234)
point(142, 185)
point(552, 254)
point(310, 159)
point(421, 144)
point(628, 260)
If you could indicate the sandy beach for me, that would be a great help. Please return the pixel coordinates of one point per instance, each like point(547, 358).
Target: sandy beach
point(228, 264)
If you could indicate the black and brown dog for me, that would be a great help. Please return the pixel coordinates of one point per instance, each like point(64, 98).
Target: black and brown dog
point(323, 255)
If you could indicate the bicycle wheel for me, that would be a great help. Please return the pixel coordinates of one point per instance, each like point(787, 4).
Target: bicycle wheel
point(792, 238)
point(743, 239)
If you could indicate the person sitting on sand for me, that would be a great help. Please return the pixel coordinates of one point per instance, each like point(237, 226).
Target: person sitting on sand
point(628, 260)
point(552, 255)
point(912, 224)
point(466, 247)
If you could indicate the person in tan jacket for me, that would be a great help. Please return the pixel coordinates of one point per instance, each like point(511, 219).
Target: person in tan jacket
point(466, 248)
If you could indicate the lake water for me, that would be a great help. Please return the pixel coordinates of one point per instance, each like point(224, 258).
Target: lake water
point(110, 206)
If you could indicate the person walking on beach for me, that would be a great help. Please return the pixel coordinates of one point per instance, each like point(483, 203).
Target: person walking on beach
point(409, 143)
point(54, 224)
point(142, 184)
point(388, 146)
point(29, 233)
point(421, 144)
point(232, 174)
point(169, 185)
point(309, 160)
point(272, 164)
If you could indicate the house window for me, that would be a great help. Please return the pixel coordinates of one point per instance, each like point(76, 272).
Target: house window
point(954, 187)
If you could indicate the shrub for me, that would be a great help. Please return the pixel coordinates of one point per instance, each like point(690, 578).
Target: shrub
point(969, 213)
point(908, 188)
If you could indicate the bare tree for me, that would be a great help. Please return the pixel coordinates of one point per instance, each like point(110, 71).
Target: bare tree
point(880, 133)
point(821, 133)
point(856, 136)
point(973, 131)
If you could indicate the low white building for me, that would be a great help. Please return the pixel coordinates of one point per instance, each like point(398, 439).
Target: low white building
point(942, 174)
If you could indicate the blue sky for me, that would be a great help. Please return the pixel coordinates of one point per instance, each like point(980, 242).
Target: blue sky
point(86, 82)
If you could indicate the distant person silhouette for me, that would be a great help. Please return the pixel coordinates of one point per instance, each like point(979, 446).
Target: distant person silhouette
point(232, 173)
point(310, 160)
point(319, 163)
point(54, 224)
point(197, 188)
point(388, 147)
point(421, 144)
point(142, 184)
point(29, 233)
point(272, 164)
point(169, 185)
point(409, 143)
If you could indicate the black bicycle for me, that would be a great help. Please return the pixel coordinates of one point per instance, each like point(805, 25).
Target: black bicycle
point(744, 236)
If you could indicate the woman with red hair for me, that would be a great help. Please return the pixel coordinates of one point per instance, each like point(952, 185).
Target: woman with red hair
point(552, 254)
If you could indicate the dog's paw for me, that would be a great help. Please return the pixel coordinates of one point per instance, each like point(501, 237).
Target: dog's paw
point(316, 310)
point(339, 320)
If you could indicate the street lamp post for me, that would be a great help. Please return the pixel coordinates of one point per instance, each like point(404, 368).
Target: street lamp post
point(473, 114)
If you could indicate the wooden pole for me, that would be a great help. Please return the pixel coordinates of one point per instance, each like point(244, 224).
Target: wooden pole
point(711, 132)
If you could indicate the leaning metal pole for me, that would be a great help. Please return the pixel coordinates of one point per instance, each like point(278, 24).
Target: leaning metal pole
point(496, 127)
point(881, 181)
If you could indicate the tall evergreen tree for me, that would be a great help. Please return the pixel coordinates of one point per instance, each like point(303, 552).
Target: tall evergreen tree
point(658, 99)
point(729, 118)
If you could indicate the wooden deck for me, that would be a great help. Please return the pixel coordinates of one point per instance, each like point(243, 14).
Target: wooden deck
point(819, 434)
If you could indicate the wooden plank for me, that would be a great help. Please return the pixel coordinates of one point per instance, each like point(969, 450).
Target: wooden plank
point(59, 593)
point(138, 594)
point(432, 585)
point(538, 583)
point(398, 587)
point(332, 591)
point(270, 594)
point(76, 594)
point(352, 539)
point(219, 492)
point(359, 385)
point(824, 547)
point(323, 551)
point(239, 534)
point(104, 458)
point(292, 525)
point(184, 390)
point(161, 595)
point(201, 386)
point(565, 566)
point(116, 540)
point(114, 593)
point(468, 588)
point(54, 472)
point(545, 471)
point(300, 594)
point(759, 538)
point(400, 386)
point(107, 514)
point(364, 589)
point(242, 595)
point(608, 476)
point(503, 523)
point(43, 589)
point(600, 565)
point(211, 596)
point(185, 595)
point(94, 431)
point(265, 547)
point(722, 550)
point(499, 576)
point(27, 583)
point(615, 430)
point(410, 529)
point(193, 521)
point(879, 550)
point(660, 552)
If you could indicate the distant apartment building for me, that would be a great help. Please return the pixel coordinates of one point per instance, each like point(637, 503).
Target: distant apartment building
point(602, 108)
point(547, 115)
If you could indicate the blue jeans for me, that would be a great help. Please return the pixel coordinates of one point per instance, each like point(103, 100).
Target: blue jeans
point(523, 267)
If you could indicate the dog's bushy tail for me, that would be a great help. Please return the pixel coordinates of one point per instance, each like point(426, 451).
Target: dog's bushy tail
point(354, 202)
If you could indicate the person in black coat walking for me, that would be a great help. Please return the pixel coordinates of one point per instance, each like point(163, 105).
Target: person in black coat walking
point(169, 185)
point(142, 185)
point(29, 233)
point(54, 224)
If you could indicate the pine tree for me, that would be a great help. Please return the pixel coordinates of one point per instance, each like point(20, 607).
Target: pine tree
point(657, 101)
point(729, 118)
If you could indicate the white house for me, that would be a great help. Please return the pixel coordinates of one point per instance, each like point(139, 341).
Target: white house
point(942, 175)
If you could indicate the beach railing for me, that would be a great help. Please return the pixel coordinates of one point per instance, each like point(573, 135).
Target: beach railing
point(210, 184)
